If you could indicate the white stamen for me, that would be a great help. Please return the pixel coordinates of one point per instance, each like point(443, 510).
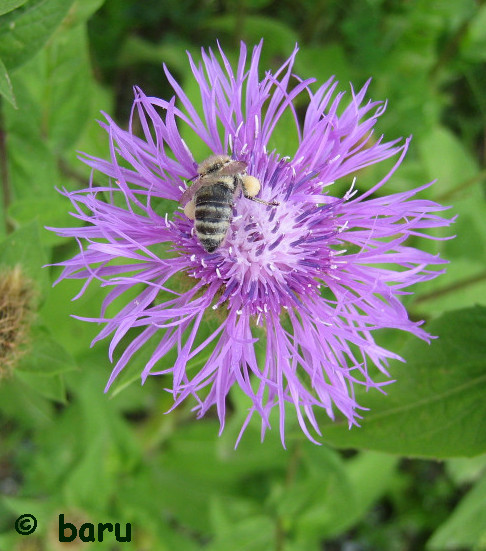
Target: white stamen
point(203, 264)
point(193, 257)
point(166, 219)
point(238, 129)
point(257, 126)
point(230, 142)
point(218, 273)
point(186, 148)
point(334, 159)
point(239, 312)
point(182, 188)
point(351, 191)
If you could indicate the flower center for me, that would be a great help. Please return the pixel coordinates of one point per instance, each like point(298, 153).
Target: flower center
point(271, 255)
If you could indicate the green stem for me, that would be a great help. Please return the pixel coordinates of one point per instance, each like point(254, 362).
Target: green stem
point(4, 176)
point(69, 172)
point(451, 288)
point(462, 186)
point(315, 18)
point(291, 473)
point(450, 49)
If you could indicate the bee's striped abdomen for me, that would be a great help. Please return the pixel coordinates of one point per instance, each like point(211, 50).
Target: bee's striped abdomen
point(214, 210)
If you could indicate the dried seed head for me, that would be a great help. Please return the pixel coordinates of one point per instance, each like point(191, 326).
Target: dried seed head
point(15, 296)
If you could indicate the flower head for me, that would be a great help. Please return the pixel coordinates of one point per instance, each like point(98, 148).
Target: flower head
point(310, 279)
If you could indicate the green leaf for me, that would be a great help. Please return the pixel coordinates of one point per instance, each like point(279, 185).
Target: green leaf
point(194, 464)
point(58, 308)
point(466, 527)
point(24, 32)
point(10, 5)
point(136, 495)
point(464, 470)
point(250, 534)
point(370, 475)
point(332, 495)
point(109, 448)
point(24, 404)
point(54, 92)
point(41, 509)
point(6, 89)
point(51, 387)
point(82, 10)
point(323, 62)
point(66, 107)
point(464, 282)
point(136, 50)
point(226, 511)
point(473, 43)
point(50, 211)
point(318, 498)
point(436, 408)
point(33, 169)
point(56, 97)
point(46, 356)
point(91, 482)
point(446, 159)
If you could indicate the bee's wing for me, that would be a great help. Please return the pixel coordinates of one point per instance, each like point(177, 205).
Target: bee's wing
point(233, 168)
point(190, 191)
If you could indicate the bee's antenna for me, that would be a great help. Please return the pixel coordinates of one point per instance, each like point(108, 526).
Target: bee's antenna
point(270, 203)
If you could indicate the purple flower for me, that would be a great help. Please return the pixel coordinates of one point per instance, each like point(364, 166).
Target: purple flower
point(310, 279)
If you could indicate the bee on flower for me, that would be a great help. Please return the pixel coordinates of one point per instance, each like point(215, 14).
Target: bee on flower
point(292, 268)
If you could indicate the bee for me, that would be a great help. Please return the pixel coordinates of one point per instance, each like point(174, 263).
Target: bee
point(210, 200)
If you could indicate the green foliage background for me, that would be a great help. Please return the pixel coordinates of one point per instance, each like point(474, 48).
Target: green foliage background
point(413, 477)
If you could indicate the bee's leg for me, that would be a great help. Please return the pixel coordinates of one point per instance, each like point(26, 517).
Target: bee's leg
point(190, 209)
point(251, 187)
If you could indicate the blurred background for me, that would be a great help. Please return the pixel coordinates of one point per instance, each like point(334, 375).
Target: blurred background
point(68, 448)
